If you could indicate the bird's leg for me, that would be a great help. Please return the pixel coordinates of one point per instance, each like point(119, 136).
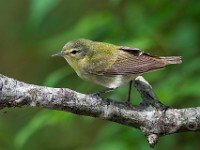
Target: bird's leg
point(103, 91)
point(129, 91)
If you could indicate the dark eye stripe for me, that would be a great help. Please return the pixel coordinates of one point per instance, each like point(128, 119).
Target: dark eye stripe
point(74, 52)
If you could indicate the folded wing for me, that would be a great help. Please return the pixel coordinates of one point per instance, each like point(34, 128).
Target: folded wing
point(133, 61)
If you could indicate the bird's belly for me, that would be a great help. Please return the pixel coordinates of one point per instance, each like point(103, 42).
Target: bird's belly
point(109, 81)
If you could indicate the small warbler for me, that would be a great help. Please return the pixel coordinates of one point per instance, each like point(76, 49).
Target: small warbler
point(110, 65)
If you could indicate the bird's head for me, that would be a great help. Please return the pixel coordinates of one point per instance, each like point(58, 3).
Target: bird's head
point(75, 49)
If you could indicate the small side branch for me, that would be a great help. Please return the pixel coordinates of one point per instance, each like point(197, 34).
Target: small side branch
point(149, 98)
point(151, 117)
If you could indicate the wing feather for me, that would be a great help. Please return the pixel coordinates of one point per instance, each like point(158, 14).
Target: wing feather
point(132, 61)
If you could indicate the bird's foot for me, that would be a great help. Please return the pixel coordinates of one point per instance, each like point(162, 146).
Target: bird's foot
point(97, 94)
point(128, 103)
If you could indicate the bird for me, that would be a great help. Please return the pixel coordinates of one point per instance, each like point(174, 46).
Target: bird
point(110, 65)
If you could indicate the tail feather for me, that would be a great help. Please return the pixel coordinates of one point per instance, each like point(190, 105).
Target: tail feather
point(171, 60)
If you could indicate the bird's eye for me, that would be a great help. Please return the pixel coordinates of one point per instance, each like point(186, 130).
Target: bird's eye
point(74, 52)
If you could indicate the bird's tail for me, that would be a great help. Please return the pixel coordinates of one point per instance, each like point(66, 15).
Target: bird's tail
point(171, 60)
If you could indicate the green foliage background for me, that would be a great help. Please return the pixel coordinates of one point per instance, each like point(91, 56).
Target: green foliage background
point(32, 30)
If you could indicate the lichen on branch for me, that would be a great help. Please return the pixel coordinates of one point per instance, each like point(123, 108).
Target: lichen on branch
point(152, 117)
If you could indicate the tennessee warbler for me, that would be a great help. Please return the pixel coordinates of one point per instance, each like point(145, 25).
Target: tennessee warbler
point(110, 65)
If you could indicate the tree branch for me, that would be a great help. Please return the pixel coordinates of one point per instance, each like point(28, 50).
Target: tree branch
point(151, 116)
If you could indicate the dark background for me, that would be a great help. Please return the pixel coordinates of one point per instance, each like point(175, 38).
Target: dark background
point(32, 30)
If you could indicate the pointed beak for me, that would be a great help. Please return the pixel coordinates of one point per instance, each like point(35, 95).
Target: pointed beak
point(58, 54)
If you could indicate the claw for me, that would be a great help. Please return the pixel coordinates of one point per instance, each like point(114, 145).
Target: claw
point(102, 92)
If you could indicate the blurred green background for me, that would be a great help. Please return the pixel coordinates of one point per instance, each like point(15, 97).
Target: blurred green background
point(32, 30)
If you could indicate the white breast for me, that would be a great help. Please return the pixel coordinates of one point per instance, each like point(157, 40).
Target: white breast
point(109, 81)
point(114, 81)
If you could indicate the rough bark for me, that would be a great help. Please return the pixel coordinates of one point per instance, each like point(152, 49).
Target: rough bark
point(151, 116)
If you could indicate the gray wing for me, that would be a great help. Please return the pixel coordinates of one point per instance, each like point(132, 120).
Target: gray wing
point(132, 61)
